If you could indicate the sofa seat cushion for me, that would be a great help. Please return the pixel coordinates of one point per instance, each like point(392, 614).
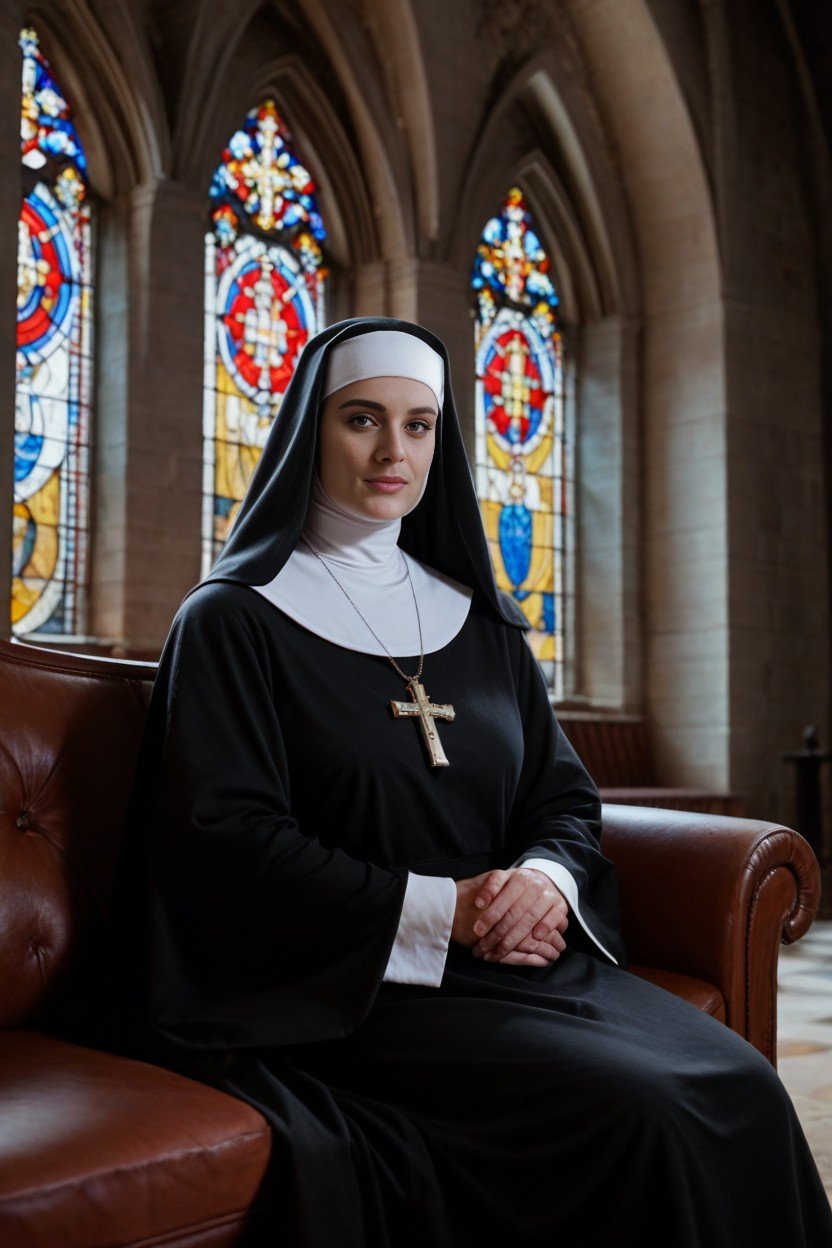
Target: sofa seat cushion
point(98, 1150)
point(698, 991)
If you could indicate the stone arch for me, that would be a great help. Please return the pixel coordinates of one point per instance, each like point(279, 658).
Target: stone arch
point(564, 166)
point(612, 122)
point(359, 190)
point(573, 182)
point(321, 142)
point(395, 36)
point(627, 68)
point(116, 102)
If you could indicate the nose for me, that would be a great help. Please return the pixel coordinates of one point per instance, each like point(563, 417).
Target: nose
point(391, 446)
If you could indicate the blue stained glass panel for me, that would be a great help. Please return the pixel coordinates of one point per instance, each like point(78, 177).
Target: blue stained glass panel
point(55, 306)
point(522, 449)
point(264, 298)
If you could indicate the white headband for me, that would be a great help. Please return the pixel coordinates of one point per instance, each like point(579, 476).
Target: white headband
point(384, 353)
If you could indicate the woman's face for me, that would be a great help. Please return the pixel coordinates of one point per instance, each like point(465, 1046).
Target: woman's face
point(372, 431)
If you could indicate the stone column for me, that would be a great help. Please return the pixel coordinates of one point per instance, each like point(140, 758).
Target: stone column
point(778, 564)
point(608, 505)
point(148, 444)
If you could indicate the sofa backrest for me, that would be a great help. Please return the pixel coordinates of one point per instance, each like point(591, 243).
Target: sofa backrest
point(615, 749)
point(70, 728)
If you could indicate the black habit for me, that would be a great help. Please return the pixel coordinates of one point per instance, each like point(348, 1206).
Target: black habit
point(276, 810)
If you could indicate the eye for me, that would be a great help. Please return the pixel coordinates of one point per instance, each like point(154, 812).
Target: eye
point(422, 425)
point(359, 416)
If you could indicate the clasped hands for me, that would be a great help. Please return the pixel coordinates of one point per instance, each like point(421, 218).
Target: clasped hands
point(515, 915)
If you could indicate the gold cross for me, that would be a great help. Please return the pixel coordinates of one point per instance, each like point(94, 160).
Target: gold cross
point(428, 712)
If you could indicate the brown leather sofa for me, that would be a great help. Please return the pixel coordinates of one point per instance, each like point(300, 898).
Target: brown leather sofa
point(98, 1150)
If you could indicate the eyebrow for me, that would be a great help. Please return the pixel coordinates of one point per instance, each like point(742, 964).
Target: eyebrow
point(379, 407)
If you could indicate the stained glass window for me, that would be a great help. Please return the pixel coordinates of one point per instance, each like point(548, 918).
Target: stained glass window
point(264, 298)
point(523, 474)
point(54, 361)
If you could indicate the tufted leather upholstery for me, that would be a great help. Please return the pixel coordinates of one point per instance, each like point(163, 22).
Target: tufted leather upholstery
point(70, 736)
point(99, 1150)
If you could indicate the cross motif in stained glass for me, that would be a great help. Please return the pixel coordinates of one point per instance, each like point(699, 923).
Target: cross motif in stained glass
point(522, 473)
point(264, 299)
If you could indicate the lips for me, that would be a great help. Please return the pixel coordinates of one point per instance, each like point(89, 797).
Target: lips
point(386, 485)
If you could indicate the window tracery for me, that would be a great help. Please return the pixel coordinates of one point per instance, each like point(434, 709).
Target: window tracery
point(264, 298)
point(523, 471)
point(53, 395)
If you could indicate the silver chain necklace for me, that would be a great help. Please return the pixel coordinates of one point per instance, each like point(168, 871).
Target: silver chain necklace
point(404, 675)
point(420, 708)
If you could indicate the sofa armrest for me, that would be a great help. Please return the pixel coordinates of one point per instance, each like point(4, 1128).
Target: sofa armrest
point(713, 897)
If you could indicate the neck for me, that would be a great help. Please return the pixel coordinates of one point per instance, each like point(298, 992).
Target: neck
point(347, 538)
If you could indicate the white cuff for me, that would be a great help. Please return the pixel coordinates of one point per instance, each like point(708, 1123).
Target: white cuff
point(421, 945)
point(566, 882)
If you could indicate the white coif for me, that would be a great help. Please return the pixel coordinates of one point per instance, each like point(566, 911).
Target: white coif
point(365, 557)
point(384, 353)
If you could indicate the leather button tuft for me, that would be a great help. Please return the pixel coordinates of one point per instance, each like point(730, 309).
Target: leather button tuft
point(23, 819)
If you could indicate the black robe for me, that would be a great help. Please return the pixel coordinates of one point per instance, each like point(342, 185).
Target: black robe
point(276, 810)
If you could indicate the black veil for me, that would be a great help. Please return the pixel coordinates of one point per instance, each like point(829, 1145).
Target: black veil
point(444, 531)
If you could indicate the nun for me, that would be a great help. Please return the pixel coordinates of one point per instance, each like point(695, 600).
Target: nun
point(361, 884)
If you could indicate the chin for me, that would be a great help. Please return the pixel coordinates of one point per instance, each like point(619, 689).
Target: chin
point(386, 508)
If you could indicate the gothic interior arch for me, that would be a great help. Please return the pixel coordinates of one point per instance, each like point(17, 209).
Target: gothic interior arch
point(675, 158)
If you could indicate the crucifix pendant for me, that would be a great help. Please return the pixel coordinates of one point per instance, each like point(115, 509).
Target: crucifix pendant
point(428, 712)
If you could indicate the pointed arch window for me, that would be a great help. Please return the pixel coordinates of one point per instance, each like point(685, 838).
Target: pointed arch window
point(523, 455)
point(54, 361)
point(264, 298)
